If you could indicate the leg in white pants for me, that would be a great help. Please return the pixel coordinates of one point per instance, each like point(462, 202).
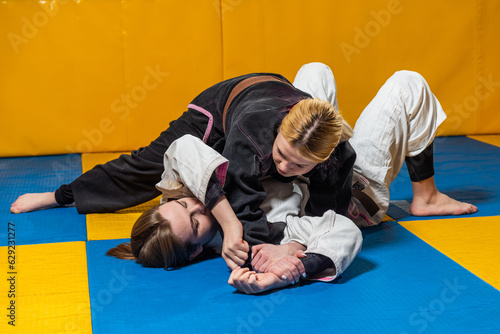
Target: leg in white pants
point(400, 121)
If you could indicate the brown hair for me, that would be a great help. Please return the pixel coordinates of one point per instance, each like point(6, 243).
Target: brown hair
point(153, 244)
point(315, 128)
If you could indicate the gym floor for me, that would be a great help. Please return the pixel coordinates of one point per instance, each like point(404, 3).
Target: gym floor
point(414, 275)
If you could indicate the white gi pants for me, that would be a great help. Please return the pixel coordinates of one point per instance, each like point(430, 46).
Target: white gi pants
point(400, 121)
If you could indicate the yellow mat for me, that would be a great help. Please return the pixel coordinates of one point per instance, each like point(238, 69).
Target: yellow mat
point(471, 242)
point(111, 225)
point(490, 139)
point(48, 288)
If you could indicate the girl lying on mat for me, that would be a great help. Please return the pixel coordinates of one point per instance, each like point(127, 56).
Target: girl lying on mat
point(181, 227)
point(266, 127)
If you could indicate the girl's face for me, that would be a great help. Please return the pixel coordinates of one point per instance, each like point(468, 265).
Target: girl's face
point(190, 220)
point(288, 160)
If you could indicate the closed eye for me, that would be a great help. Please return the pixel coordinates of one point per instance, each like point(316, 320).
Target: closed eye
point(182, 203)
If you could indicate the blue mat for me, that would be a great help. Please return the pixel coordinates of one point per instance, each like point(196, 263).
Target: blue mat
point(398, 284)
point(465, 169)
point(39, 174)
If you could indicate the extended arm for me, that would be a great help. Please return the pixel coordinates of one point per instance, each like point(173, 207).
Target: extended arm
point(202, 175)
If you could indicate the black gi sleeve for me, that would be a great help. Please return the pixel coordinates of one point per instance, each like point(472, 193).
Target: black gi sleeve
point(245, 193)
point(316, 263)
point(214, 191)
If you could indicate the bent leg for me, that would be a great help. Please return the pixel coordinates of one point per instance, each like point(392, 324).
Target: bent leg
point(401, 121)
point(317, 80)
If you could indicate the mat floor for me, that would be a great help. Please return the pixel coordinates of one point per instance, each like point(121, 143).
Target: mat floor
point(413, 275)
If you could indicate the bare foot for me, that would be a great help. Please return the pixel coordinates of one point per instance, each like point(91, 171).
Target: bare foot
point(33, 202)
point(440, 204)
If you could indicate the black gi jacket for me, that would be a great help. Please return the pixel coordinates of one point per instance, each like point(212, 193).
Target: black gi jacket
point(252, 122)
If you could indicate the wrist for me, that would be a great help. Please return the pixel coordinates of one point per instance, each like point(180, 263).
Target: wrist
point(293, 247)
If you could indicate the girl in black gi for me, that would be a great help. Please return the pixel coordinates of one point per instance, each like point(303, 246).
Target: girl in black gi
point(239, 118)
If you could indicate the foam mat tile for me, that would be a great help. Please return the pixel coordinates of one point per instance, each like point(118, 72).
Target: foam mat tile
point(398, 284)
point(49, 289)
point(465, 169)
point(472, 242)
point(40, 174)
point(101, 226)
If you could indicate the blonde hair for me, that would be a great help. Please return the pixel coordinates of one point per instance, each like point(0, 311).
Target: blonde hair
point(153, 244)
point(315, 128)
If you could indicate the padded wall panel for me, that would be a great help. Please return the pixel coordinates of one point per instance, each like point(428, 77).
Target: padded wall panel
point(61, 65)
point(489, 96)
point(363, 44)
point(179, 41)
point(90, 76)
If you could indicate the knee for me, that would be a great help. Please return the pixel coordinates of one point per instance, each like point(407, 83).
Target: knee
point(407, 76)
point(316, 68)
point(413, 81)
point(317, 79)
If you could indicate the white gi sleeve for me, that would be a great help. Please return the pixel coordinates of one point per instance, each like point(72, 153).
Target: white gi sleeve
point(189, 163)
point(331, 235)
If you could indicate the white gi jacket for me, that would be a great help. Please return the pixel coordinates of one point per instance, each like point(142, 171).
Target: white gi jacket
point(189, 164)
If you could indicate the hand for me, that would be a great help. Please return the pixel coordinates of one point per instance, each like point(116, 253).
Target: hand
point(250, 282)
point(289, 268)
point(234, 248)
point(265, 255)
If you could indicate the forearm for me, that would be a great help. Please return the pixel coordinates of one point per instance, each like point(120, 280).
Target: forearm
point(224, 214)
point(234, 248)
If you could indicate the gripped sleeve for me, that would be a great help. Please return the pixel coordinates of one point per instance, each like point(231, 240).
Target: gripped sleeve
point(333, 236)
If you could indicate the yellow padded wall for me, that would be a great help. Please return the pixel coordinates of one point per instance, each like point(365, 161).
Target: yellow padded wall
point(451, 43)
point(58, 66)
point(489, 68)
point(90, 75)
